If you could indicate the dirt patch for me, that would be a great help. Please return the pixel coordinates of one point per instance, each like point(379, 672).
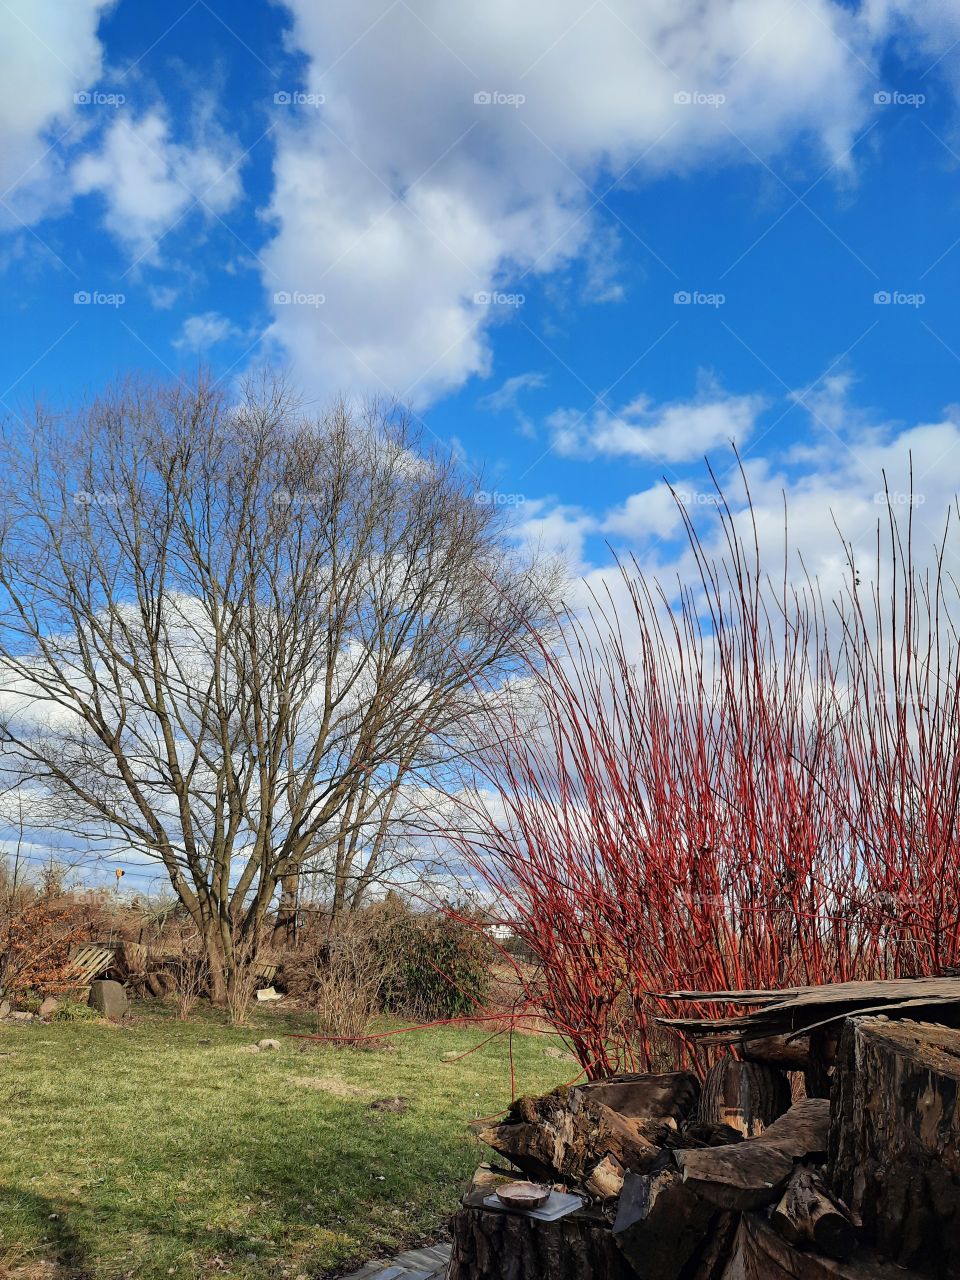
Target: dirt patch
point(336, 1086)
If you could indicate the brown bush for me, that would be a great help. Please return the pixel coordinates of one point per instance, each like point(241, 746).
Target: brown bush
point(39, 926)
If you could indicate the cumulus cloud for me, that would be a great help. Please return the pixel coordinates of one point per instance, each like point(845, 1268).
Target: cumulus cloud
point(49, 52)
point(149, 182)
point(669, 433)
point(470, 162)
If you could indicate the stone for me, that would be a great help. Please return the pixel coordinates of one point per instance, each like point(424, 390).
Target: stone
point(20, 1015)
point(268, 1045)
point(109, 998)
point(4, 1008)
point(49, 1008)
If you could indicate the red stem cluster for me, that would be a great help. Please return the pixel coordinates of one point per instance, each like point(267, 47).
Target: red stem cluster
point(742, 784)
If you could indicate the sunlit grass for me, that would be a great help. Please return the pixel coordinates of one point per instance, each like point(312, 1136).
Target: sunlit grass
point(164, 1149)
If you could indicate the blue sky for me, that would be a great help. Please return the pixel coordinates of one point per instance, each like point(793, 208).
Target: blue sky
point(490, 211)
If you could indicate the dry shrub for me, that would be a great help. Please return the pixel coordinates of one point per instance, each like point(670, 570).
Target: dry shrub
point(347, 981)
point(39, 926)
point(243, 981)
point(187, 962)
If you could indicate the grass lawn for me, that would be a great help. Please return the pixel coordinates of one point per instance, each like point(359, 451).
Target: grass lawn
point(163, 1149)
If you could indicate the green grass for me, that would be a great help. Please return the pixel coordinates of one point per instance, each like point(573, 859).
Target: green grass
point(144, 1151)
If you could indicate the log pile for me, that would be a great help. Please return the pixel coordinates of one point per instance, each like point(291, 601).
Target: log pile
point(734, 1181)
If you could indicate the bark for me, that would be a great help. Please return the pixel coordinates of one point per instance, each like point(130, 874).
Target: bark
point(664, 1229)
point(490, 1244)
point(760, 1254)
point(809, 1216)
point(748, 1096)
point(777, 1051)
point(567, 1134)
point(895, 1141)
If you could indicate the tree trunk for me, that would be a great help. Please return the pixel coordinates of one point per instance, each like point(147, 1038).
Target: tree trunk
point(217, 965)
point(489, 1244)
point(895, 1139)
point(285, 929)
point(748, 1096)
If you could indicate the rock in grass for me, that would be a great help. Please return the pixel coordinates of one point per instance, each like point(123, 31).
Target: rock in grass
point(49, 1008)
point(109, 998)
point(4, 1008)
point(267, 1045)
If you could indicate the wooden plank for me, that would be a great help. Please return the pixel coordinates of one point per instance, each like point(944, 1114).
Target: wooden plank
point(90, 960)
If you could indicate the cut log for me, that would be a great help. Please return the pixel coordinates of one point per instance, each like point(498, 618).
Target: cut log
point(568, 1133)
point(754, 1172)
point(760, 1254)
point(777, 1051)
point(670, 1097)
point(605, 1180)
point(490, 1244)
point(663, 1227)
point(809, 1216)
point(895, 1139)
point(748, 1096)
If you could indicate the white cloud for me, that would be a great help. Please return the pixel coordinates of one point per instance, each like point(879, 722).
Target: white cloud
point(669, 433)
point(49, 51)
point(200, 332)
point(149, 182)
point(401, 197)
point(556, 530)
point(507, 396)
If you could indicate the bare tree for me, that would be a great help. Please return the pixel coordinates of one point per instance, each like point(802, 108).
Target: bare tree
point(237, 638)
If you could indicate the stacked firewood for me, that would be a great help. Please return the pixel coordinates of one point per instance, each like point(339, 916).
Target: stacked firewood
point(736, 1180)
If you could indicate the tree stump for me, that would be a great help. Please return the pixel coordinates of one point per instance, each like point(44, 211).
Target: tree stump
point(895, 1139)
point(745, 1095)
point(490, 1244)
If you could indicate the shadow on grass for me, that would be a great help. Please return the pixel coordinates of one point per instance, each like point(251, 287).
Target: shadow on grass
point(50, 1222)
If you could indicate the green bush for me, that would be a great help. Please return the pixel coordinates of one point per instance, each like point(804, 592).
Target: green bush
point(76, 1011)
point(436, 965)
